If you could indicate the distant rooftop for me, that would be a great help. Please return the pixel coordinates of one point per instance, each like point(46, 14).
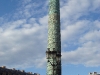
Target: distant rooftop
point(94, 73)
point(6, 71)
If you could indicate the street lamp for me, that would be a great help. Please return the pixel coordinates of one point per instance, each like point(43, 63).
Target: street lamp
point(58, 57)
point(55, 55)
point(51, 54)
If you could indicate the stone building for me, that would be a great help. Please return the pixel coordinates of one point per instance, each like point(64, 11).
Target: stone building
point(6, 71)
point(94, 73)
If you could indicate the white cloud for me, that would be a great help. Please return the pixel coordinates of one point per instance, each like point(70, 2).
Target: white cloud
point(75, 30)
point(20, 45)
point(87, 54)
point(23, 39)
point(91, 36)
point(44, 20)
point(80, 37)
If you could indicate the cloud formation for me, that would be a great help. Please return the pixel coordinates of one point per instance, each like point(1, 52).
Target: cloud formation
point(23, 38)
point(80, 32)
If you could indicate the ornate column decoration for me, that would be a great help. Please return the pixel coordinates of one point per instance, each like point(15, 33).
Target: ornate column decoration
point(53, 52)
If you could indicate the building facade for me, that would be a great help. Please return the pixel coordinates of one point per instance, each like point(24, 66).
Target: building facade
point(53, 52)
point(6, 71)
point(94, 73)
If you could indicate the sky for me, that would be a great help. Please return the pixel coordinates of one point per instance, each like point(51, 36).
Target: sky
point(24, 28)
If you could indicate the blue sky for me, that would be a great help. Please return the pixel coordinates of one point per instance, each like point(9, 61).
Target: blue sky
point(23, 35)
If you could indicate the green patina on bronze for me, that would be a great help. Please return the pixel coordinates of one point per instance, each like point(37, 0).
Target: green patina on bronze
point(54, 25)
point(54, 38)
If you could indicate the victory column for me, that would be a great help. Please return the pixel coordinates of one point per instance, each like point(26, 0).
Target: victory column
point(53, 53)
